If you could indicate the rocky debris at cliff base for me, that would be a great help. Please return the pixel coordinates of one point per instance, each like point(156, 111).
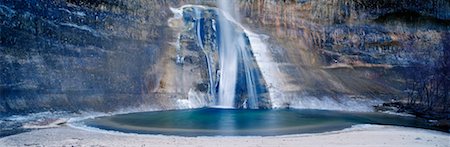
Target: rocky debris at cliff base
point(45, 123)
point(15, 124)
point(8, 128)
point(440, 119)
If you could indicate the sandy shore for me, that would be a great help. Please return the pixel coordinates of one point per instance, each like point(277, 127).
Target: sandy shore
point(367, 135)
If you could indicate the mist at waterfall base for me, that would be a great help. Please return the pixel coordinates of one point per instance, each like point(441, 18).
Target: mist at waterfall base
point(250, 122)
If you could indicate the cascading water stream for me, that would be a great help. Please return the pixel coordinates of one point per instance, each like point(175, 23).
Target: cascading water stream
point(233, 51)
point(250, 77)
point(228, 59)
point(234, 76)
point(207, 53)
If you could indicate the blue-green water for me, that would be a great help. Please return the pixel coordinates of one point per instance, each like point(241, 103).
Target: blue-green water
point(231, 122)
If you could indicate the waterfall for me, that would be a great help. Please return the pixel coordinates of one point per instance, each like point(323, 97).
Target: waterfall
point(250, 78)
point(228, 55)
point(233, 51)
point(198, 17)
point(235, 79)
point(241, 69)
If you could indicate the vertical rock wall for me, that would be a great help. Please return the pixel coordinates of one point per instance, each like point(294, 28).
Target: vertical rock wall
point(104, 55)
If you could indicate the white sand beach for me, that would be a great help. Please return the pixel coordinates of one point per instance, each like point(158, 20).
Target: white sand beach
point(361, 135)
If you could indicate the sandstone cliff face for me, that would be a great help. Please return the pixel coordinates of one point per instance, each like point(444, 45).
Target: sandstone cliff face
point(105, 55)
point(72, 55)
point(356, 47)
point(374, 30)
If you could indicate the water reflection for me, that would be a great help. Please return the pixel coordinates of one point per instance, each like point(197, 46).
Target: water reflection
point(230, 122)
